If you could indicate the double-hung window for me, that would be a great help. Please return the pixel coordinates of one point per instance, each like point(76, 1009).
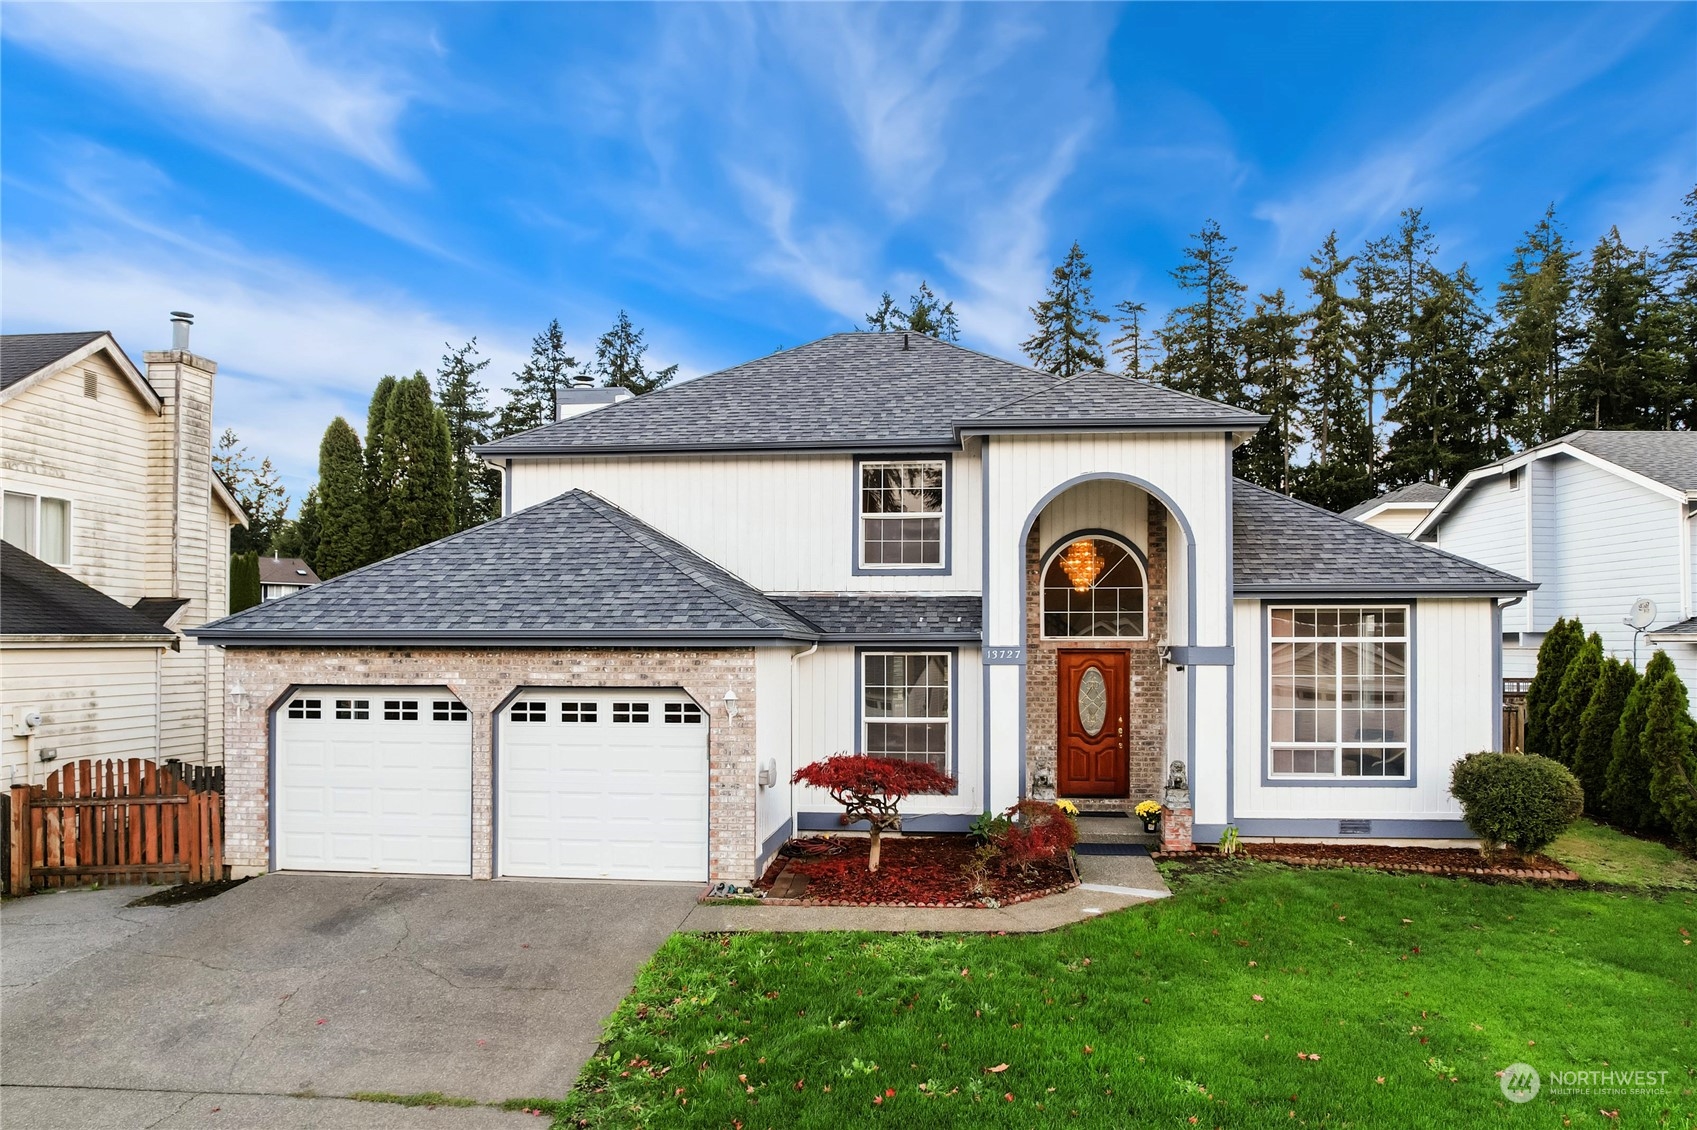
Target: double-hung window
point(902, 514)
point(39, 526)
point(906, 708)
point(1339, 693)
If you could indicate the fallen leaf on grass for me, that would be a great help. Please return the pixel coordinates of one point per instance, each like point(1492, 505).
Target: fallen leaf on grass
point(1380, 1079)
point(1257, 997)
point(998, 1069)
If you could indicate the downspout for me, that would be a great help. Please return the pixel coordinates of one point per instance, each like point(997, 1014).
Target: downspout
point(795, 724)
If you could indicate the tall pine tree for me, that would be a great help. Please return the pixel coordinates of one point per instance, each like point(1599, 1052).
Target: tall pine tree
point(1678, 266)
point(1442, 421)
point(343, 505)
point(1626, 795)
point(1561, 643)
point(1200, 338)
point(1536, 330)
point(300, 535)
point(1273, 384)
point(259, 490)
point(530, 399)
point(378, 486)
point(618, 358)
point(1068, 340)
point(1597, 725)
point(927, 314)
point(476, 485)
point(1573, 695)
point(418, 464)
point(1334, 411)
point(1627, 375)
point(1134, 348)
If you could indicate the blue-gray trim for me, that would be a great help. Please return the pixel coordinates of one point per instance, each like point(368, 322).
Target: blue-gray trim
point(919, 822)
point(1379, 592)
point(507, 489)
point(1327, 828)
point(948, 567)
point(1014, 426)
point(984, 622)
point(773, 842)
point(1231, 644)
point(1047, 557)
point(1497, 674)
point(1180, 655)
point(953, 653)
point(1268, 780)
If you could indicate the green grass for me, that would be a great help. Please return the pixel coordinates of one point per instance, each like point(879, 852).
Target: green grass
point(427, 1098)
point(1412, 991)
point(1601, 854)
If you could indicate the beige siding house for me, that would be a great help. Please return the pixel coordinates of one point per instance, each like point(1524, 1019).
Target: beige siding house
point(107, 477)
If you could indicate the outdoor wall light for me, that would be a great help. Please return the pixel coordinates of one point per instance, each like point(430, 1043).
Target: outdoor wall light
point(730, 703)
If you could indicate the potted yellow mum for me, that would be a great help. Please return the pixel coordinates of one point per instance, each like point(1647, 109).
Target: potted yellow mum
point(1150, 812)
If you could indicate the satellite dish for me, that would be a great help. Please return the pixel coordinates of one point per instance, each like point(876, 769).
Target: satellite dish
point(1643, 612)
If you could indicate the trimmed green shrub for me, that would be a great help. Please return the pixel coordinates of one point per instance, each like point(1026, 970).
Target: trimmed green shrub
point(1561, 643)
point(1518, 799)
point(1626, 795)
point(244, 581)
point(1573, 694)
point(1597, 725)
point(1667, 739)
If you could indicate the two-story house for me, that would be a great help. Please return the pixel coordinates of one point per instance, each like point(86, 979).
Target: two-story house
point(117, 535)
point(874, 543)
point(1600, 520)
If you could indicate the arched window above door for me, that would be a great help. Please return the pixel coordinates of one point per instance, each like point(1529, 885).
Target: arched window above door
point(1094, 586)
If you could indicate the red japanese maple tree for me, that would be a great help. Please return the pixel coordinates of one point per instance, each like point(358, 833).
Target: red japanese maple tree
point(872, 788)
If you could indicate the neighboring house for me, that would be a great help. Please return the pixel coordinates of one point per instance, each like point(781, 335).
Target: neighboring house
point(280, 576)
point(873, 543)
point(1399, 511)
point(1598, 519)
point(111, 507)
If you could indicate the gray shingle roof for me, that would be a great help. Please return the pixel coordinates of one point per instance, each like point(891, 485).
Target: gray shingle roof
point(38, 600)
point(23, 354)
point(1670, 458)
point(285, 571)
point(1426, 494)
point(1280, 545)
point(850, 390)
point(844, 617)
point(572, 570)
point(1685, 629)
point(1100, 398)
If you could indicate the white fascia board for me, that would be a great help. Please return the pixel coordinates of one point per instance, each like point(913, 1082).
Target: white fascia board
point(107, 344)
point(1514, 463)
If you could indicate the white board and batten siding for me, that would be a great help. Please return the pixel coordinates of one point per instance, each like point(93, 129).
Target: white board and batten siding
point(1454, 714)
point(783, 523)
point(775, 675)
point(95, 702)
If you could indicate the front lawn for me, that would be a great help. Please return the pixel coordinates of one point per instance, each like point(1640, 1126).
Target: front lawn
point(1602, 854)
point(1258, 996)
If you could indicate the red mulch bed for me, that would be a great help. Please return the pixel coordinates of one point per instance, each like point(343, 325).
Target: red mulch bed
point(1432, 861)
point(912, 871)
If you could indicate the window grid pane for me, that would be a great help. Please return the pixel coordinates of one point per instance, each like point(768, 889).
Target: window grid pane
point(901, 514)
point(1111, 607)
point(906, 706)
point(55, 531)
point(1338, 692)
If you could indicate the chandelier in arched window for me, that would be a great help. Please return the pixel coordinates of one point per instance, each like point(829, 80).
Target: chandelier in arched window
point(1094, 586)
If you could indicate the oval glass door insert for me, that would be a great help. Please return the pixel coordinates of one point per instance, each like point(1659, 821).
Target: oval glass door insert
point(1092, 701)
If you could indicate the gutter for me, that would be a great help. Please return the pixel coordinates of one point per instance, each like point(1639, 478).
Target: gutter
point(87, 640)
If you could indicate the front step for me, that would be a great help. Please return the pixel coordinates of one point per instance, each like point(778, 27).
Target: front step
point(1114, 830)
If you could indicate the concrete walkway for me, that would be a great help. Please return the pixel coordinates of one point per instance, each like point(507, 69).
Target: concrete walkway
point(1111, 882)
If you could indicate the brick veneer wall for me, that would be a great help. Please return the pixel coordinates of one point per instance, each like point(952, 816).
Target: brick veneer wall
point(1146, 738)
point(483, 679)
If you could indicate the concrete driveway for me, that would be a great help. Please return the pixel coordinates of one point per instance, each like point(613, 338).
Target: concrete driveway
point(316, 985)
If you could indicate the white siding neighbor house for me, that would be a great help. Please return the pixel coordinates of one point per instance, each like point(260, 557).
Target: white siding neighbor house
point(117, 537)
point(1399, 511)
point(873, 543)
point(1599, 520)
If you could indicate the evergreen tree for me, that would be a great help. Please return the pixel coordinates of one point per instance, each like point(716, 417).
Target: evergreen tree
point(618, 358)
point(1068, 340)
point(1597, 725)
point(259, 491)
point(1537, 326)
point(1626, 794)
point(1334, 411)
point(244, 581)
point(887, 317)
point(1273, 384)
point(530, 399)
point(300, 535)
point(1373, 344)
point(1573, 695)
point(1678, 270)
point(1134, 347)
point(1440, 410)
point(341, 506)
point(1667, 749)
point(1200, 338)
point(1627, 375)
point(926, 314)
point(1561, 643)
point(378, 487)
point(418, 460)
point(476, 485)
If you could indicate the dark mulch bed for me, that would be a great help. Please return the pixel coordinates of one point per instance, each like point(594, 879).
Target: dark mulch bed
point(1432, 861)
point(186, 892)
point(912, 871)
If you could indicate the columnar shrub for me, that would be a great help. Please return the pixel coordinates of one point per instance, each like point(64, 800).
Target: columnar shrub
point(1573, 695)
point(1560, 645)
point(1518, 799)
point(872, 789)
point(1597, 725)
point(1037, 831)
point(1626, 794)
point(1667, 739)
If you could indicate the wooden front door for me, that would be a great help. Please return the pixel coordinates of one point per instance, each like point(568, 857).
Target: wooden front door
point(1094, 691)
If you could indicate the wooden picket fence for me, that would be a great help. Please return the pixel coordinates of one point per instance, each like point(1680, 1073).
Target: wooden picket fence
point(114, 822)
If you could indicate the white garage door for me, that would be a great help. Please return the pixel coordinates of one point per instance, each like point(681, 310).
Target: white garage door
point(603, 785)
point(374, 779)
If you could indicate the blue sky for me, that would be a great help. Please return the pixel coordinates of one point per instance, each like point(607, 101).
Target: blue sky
point(335, 191)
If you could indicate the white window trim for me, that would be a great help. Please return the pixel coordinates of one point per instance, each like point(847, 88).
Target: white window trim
point(1339, 747)
point(36, 510)
point(862, 515)
point(948, 721)
point(1043, 589)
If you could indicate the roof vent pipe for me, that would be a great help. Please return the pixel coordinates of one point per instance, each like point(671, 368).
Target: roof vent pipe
point(905, 347)
point(181, 320)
